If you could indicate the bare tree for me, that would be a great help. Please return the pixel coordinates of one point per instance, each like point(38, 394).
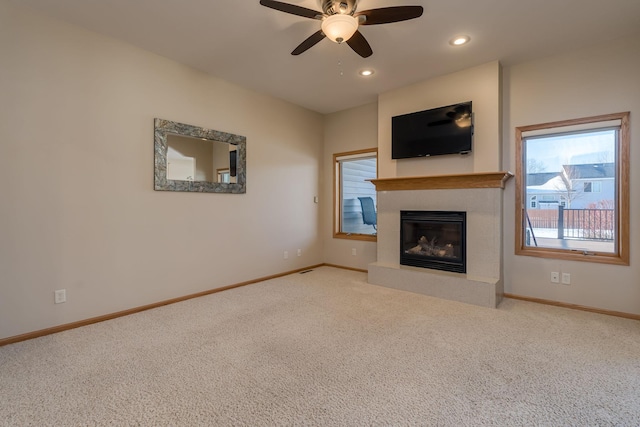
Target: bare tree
point(600, 223)
point(605, 157)
point(569, 189)
point(535, 166)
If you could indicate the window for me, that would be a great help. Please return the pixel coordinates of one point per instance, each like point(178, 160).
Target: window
point(355, 214)
point(224, 175)
point(592, 187)
point(583, 166)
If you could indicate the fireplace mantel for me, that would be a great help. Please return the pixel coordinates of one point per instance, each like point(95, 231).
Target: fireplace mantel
point(439, 182)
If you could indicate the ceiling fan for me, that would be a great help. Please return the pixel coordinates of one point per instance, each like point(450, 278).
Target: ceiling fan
point(340, 21)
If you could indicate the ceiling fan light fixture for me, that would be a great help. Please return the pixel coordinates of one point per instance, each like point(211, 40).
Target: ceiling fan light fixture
point(464, 121)
point(339, 27)
point(459, 40)
point(366, 72)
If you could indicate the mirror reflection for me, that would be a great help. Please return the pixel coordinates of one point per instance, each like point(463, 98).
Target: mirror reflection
point(191, 158)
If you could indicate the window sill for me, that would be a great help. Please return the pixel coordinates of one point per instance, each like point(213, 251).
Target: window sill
point(574, 255)
point(353, 236)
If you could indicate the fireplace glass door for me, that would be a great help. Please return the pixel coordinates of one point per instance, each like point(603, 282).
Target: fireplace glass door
point(433, 239)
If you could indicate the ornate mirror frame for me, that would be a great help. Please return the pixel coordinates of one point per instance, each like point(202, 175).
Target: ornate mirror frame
point(163, 128)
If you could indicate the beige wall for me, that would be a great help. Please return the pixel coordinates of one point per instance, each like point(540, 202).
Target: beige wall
point(598, 80)
point(76, 161)
point(353, 129)
point(602, 79)
point(348, 130)
point(221, 160)
point(78, 209)
point(481, 85)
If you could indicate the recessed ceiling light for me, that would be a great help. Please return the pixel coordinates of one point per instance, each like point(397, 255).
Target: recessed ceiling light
point(366, 73)
point(459, 40)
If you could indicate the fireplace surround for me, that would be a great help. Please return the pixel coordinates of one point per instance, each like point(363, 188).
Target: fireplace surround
point(479, 195)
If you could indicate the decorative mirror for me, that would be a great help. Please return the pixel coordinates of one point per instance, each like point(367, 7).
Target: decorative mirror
point(191, 158)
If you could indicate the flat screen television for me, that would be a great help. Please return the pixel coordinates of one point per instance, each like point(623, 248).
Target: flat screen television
point(232, 162)
point(444, 130)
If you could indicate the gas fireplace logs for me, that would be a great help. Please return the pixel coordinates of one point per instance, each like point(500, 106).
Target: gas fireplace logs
point(429, 248)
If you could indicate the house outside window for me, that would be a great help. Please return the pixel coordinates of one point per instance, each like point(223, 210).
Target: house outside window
point(592, 187)
point(355, 213)
point(563, 201)
point(574, 175)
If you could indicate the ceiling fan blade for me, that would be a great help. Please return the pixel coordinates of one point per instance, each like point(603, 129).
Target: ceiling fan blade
point(292, 9)
point(311, 41)
point(360, 45)
point(386, 15)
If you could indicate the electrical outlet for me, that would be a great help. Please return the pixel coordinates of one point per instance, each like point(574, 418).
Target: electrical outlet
point(299, 252)
point(60, 296)
point(354, 252)
point(566, 278)
point(555, 277)
point(286, 255)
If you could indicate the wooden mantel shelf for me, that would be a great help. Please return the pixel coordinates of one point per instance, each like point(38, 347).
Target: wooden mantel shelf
point(439, 182)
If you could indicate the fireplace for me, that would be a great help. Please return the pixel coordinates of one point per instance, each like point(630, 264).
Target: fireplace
point(479, 197)
point(433, 239)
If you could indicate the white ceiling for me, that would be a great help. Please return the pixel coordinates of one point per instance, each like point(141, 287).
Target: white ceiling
point(243, 42)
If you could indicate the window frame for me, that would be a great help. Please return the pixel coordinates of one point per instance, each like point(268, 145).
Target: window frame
point(337, 194)
point(620, 256)
point(588, 187)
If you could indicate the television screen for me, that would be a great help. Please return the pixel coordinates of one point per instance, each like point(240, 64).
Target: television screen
point(444, 130)
point(232, 162)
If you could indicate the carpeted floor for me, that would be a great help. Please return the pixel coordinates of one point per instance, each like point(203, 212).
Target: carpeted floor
point(325, 348)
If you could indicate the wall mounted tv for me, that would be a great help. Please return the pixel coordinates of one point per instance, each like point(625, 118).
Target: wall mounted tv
point(444, 130)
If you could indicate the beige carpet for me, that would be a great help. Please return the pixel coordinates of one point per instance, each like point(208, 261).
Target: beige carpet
point(325, 348)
